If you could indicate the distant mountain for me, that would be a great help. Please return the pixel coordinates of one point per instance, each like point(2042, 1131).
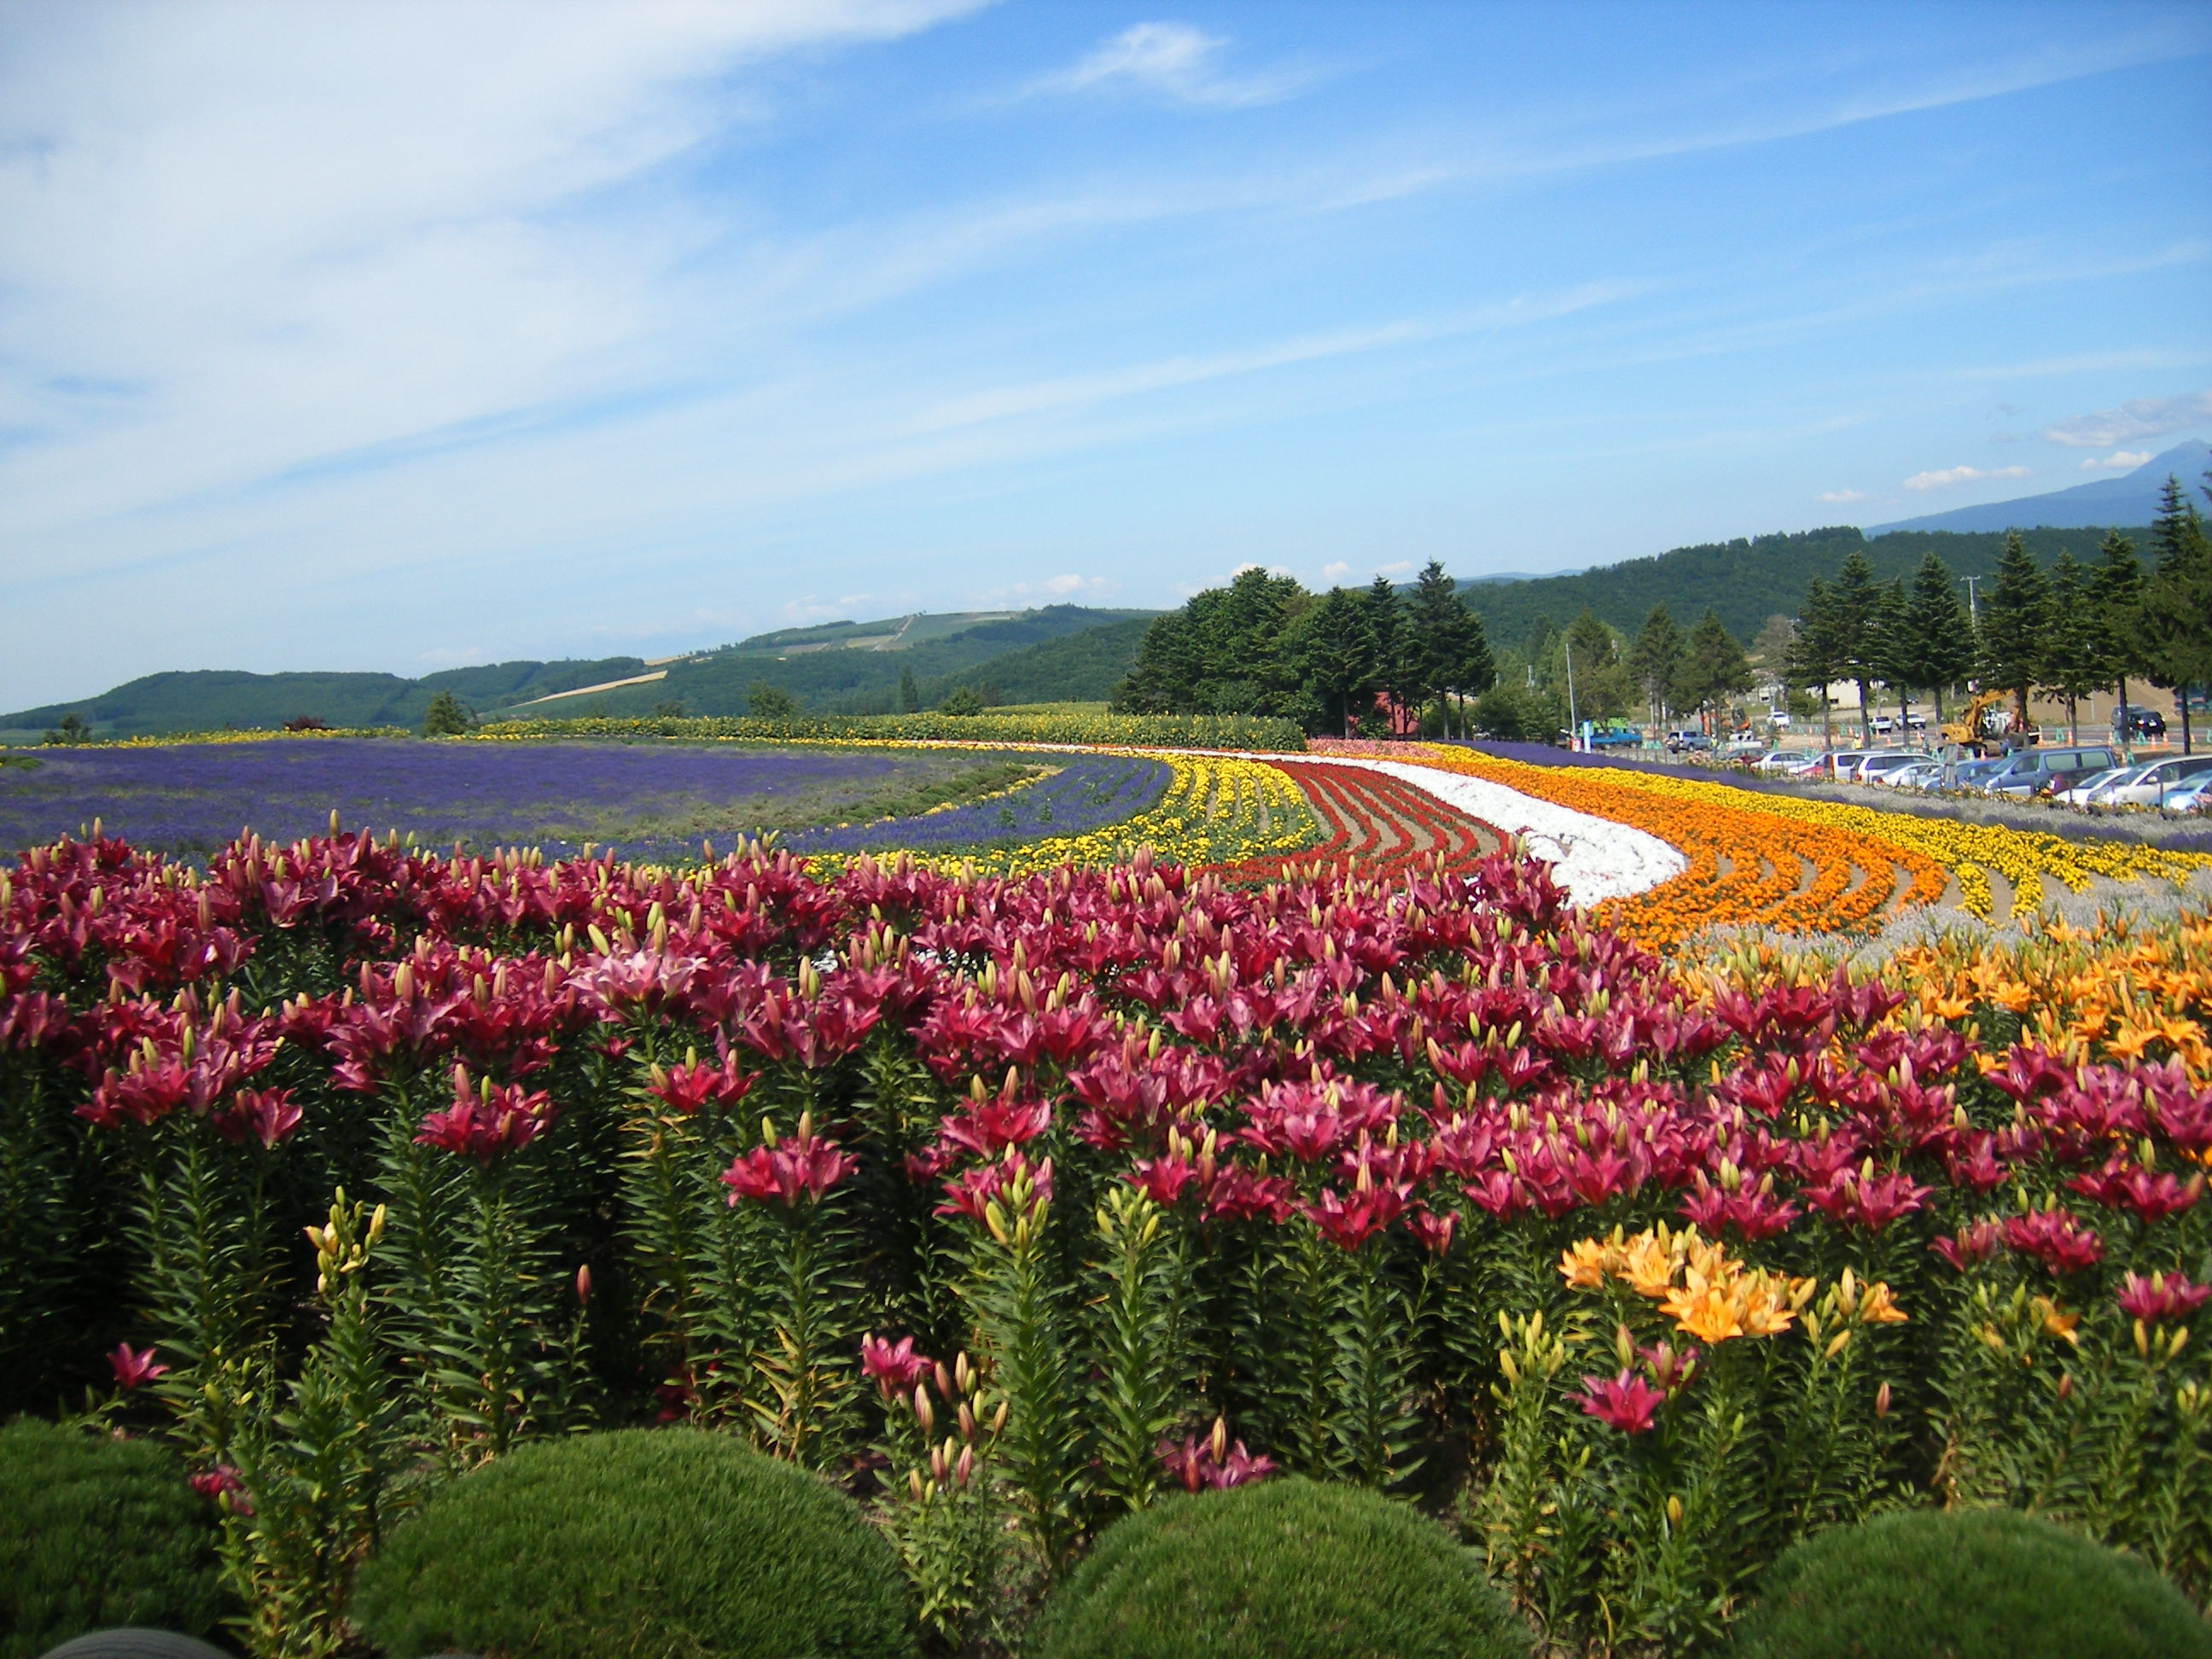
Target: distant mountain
point(2129, 500)
point(844, 667)
point(210, 699)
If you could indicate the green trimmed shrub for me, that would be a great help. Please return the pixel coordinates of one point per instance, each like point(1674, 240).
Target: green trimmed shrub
point(661, 1542)
point(1968, 1584)
point(97, 1533)
point(1281, 1567)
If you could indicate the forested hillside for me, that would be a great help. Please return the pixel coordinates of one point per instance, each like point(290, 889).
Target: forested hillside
point(207, 700)
point(1745, 582)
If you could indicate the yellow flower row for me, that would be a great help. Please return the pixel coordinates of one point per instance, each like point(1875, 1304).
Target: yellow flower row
point(1216, 810)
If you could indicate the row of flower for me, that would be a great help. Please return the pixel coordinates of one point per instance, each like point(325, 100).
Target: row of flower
point(1012, 1202)
point(1053, 729)
point(1749, 856)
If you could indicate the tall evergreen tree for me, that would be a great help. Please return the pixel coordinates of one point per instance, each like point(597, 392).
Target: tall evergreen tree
point(1892, 652)
point(1335, 645)
point(2177, 609)
point(1655, 661)
point(1394, 668)
point(1816, 654)
point(910, 693)
point(2116, 599)
point(2014, 619)
point(1937, 638)
point(2072, 664)
point(1855, 602)
point(1713, 667)
point(1447, 640)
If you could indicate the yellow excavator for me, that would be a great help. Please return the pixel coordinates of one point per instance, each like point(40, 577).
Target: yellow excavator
point(1974, 729)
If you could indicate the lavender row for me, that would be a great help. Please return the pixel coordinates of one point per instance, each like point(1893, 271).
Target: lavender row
point(1088, 792)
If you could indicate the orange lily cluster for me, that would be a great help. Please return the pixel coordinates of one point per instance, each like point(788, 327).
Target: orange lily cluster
point(1746, 865)
point(1708, 1293)
point(2125, 992)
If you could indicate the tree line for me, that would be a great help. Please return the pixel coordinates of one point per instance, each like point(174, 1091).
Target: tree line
point(1266, 644)
point(2061, 632)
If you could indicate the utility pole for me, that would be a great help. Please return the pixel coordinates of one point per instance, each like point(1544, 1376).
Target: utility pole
point(1973, 611)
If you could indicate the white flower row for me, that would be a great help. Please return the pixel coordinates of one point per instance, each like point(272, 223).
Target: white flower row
point(1592, 858)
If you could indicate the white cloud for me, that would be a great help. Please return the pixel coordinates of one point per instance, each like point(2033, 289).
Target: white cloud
point(1961, 475)
point(2140, 417)
point(1840, 497)
point(1172, 60)
point(1335, 573)
point(2120, 460)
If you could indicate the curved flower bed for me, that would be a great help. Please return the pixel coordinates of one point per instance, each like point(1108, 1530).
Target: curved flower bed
point(1743, 865)
point(1378, 826)
point(1084, 794)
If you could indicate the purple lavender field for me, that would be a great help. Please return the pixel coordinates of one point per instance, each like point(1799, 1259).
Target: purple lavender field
point(1089, 792)
point(647, 800)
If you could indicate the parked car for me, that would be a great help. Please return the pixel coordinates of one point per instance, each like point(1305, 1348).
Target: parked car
point(1680, 743)
point(2189, 795)
point(1874, 766)
point(2144, 784)
point(2040, 771)
point(2133, 725)
point(1840, 764)
point(1784, 759)
point(1922, 774)
point(1778, 719)
point(1973, 774)
point(2089, 791)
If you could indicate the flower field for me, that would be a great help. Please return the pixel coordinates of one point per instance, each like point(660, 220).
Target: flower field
point(1011, 1201)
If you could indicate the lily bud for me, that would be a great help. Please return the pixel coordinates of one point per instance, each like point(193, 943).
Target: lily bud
point(584, 1283)
point(1881, 1401)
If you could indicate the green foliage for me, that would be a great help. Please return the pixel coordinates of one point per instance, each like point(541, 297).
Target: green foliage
point(447, 716)
point(73, 729)
point(2176, 606)
point(645, 1542)
point(1165, 731)
point(767, 702)
point(1935, 651)
point(1655, 661)
point(1224, 653)
point(1713, 667)
point(95, 1534)
point(2073, 662)
point(1748, 581)
point(1968, 1584)
point(1283, 1567)
point(2016, 621)
point(961, 703)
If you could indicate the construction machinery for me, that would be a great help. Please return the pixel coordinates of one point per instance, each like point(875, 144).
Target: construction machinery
point(1981, 724)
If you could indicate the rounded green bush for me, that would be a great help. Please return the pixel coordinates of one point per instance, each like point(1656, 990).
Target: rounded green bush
point(1282, 1567)
point(1965, 1584)
point(659, 1542)
point(96, 1532)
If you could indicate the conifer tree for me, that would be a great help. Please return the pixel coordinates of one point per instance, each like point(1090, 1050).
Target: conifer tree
point(1713, 667)
point(1937, 636)
point(2177, 609)
point(1856, 607)
point(1891, 650)
point(1386, 618)
point(2071, 663)
point(2014, 619)
point(1447, 640)
point(910, 693)
point(2116, 599)
point(1655, 661)
point(1335, 653)
point(1816, 656)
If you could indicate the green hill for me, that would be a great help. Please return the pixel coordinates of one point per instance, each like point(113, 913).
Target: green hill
point(209, 700)
point(1746, 581)
point(850, 668)
point(843, 667)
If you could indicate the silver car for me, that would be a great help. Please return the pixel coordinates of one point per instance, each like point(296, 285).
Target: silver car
point(1870, 768)
point(2143, 785)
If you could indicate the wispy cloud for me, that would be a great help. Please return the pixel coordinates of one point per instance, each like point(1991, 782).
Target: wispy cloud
point(1841, 497)
point(2139, 417)
point(1952, 475)
point(2120, 460)
point(1065, 589)
point(1173, 61)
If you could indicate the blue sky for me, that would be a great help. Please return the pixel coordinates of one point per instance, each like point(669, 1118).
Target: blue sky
point(398, 337)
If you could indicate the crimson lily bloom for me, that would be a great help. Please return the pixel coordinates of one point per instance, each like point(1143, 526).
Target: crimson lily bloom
point(1626, 1402)
point(133, 1366)
point(2162, 1296)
